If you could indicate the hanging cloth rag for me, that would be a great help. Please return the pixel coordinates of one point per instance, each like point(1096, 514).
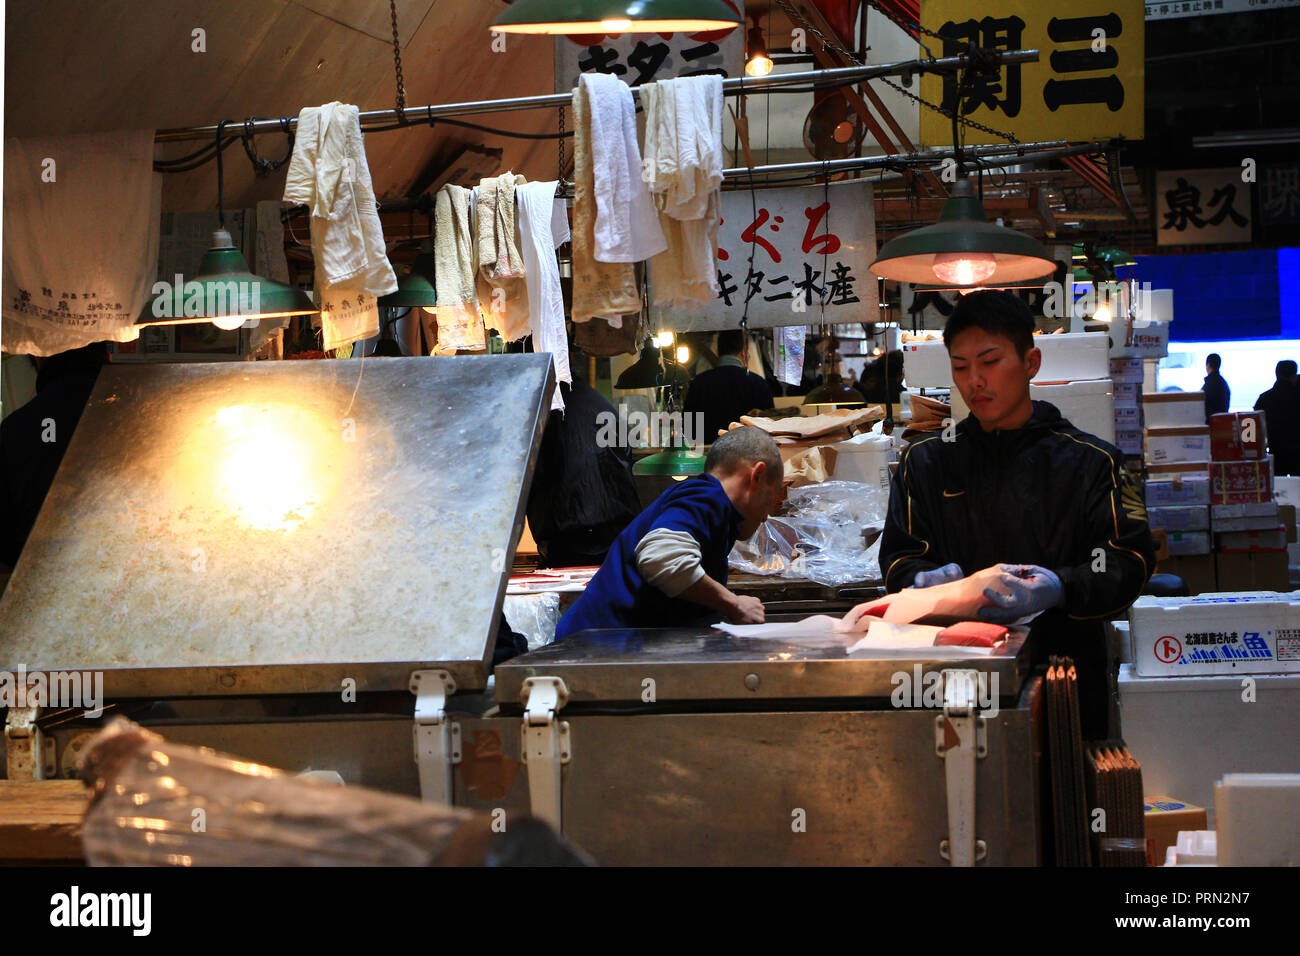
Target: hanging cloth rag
point(683, 170)
point(598, 337)
point(543, 228)
point(329, 174)
point(80, 257)
point(599, 288)
point(459, 323)
point(626, 228)
point(502, 293)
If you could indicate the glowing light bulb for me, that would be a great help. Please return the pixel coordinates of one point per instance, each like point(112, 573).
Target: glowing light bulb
point(1102, 314)
point(760, 64)
point(615, 26)
point(964, 268)
point(683, 354)
point(664, 340)
point(680, 477)
point(228, 322)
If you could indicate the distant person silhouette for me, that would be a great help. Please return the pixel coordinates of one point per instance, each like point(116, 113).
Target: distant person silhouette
point(1217, 393)
point(1281, 407)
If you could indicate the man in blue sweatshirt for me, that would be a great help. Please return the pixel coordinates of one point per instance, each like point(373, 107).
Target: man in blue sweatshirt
point(668, 568)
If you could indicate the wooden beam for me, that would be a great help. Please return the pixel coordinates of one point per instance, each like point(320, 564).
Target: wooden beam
point(42, 820)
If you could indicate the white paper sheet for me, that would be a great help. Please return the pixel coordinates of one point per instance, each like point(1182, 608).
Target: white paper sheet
point(819, 628)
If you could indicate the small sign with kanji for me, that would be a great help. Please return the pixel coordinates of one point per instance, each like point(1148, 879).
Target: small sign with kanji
point(1196, 207)
point(811, 246)
point(1087, 84)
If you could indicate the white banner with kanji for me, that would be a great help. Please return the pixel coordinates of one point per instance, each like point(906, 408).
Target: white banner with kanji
point(811, 246)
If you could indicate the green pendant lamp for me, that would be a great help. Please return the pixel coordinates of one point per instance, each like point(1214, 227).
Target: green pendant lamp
point(224, 293)
point(616, 16)
point(416, 289)
point(677, 463)
point(963, 249)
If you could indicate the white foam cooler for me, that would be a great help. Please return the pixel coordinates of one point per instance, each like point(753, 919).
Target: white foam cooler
point(1087, 405)
point(1067, 357)
point(1244, 632)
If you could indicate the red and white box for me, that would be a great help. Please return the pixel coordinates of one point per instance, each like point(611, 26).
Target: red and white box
point(1238, 436)
point(1241, 482)
point(1254, 632)
point(1174, 445)
point(1272, 539)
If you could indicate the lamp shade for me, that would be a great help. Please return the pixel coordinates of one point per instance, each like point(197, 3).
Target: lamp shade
point(224, 292)
point(674, 461)
point(615, 16)
point(963, 248)
point(416, 289)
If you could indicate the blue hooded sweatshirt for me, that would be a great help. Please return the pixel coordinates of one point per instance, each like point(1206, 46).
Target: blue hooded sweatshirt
point(618, 596)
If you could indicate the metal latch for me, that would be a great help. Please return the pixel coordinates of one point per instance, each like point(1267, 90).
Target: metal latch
point(960, 738)
point(23, 745)
point(545, 745)
point(437, 740)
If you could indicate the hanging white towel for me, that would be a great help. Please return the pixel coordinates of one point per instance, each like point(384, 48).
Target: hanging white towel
point(501, 267)
point(80, 239)
point(627, 229)
point(329, 173)
point(543, 228)
point(599, 288)
point(683, 168)
point(459, 324)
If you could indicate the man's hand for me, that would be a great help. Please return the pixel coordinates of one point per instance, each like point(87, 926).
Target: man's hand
point(745, 609)
point(1021, 590)
point(949, 572)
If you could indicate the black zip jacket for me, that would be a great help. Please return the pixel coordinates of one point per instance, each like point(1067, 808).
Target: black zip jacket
point(1045, 494)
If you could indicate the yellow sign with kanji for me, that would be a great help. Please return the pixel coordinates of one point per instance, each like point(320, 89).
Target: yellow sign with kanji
point(1088, 82)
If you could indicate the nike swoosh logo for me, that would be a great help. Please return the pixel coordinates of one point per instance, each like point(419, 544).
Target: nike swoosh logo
point(953, 494)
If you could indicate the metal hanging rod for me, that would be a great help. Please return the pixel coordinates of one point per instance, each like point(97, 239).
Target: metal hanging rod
point(1010, 153)
point(731, 87)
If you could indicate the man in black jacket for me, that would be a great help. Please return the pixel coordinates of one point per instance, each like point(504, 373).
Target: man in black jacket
point(1015, 484)
point(1217, 394)
point(725, 393)
point(1281, 407)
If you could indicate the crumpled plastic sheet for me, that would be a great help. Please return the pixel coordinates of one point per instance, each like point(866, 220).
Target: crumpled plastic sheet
point(535, 616)
point(157, 803)
point(820, 538)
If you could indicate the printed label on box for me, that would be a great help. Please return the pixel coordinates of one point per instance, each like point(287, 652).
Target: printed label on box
point(1288, 645)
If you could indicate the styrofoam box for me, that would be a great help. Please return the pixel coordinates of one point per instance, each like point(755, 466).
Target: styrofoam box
point(1188, 542)
point(1243, 632)
point(1286, 489)
point(1255, 816)
point(1170, 445)
point(1087, 405)
point(1127, 417)
point(1252, 509)
point(1146, 340)
point(1129, 441)
point(1127, 370)
point(1187, 490)
point(1172, 724)
point(1127, 393)
point(1254, 539)
point(1068, 357)
point(1180, 517)
point(1174, 409)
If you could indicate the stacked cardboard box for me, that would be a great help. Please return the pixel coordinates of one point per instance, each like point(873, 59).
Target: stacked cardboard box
point(1126, 380)
point(1176, 446)
point(1249, 532)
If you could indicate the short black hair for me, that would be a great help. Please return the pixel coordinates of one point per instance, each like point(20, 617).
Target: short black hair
point(997, 312)
point(1213, 361)
point(1286, 367)
point(744, 446)
point(731, 342)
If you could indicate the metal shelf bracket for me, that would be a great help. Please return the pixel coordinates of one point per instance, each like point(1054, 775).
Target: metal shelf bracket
point(961, 738)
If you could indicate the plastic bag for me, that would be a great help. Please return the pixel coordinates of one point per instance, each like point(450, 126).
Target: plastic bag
point(822, 537)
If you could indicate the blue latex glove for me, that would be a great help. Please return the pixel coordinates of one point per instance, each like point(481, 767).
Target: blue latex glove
point(928, 579)
point(1024, 589)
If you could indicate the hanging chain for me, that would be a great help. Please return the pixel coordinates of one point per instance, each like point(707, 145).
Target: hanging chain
point(561, 160)
point(832, 46)
point(397, 65)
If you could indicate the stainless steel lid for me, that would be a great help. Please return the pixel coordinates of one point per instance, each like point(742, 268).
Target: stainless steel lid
point(701, 664)
point(281, 527)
